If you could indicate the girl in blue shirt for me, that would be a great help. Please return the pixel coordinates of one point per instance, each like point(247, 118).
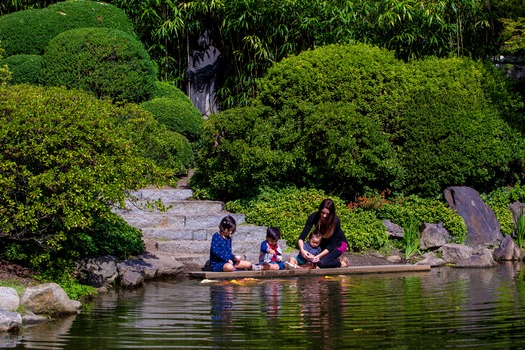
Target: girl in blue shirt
point(221, 256)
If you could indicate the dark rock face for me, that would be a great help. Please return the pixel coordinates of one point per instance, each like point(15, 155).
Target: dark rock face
point(482, 226)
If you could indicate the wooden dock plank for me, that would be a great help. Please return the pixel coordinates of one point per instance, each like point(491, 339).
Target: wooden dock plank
point(352, 270)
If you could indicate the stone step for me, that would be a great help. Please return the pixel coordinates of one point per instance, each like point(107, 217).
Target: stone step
point(185, 207)
point(243, 233)
point(168, 220)
point(167, 194)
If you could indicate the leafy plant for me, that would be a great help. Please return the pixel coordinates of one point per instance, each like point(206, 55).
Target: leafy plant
point(411, 239)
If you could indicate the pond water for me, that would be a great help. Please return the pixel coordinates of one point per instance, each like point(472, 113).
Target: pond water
point(443, 308)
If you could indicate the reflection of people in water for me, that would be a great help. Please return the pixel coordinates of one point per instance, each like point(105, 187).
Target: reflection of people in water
point(221, 296)
point(203, 65)
point(271, 291)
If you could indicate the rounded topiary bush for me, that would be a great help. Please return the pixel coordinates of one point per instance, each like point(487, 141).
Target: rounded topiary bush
point(166, 89)
point(25, 68)
point(29, 31)
point(178, 114)
point(108, 62)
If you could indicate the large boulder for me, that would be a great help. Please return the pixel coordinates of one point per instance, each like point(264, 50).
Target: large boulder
point(483, 227)
point(9, 299)
point(508, 250)
point(49, 298)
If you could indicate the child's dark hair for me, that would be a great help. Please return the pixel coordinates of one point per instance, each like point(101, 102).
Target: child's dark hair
point(227, 222)
point(273, 233)
point(314, 234)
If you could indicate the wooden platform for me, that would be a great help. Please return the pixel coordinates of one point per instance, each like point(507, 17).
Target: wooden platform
point(352, 270)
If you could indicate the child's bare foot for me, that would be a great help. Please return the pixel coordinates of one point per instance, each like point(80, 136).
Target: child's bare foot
point(344, 262)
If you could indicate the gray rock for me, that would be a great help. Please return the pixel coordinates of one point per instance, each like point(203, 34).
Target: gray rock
point(516, 208)
point(31, 319)
point(482, 226)
point(431, 259)
point(434, 236)
point(10, 321)
point(97, 272)
point(453, 252)
point(393, 230)
point(508, 250)
point(48, 298)
point(9, 299)
point(480, 260)
point(131, 279)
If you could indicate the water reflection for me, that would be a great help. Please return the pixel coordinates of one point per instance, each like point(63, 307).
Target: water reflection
point(444, 308)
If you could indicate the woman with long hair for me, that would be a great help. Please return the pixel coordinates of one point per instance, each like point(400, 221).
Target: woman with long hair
point(333, 241)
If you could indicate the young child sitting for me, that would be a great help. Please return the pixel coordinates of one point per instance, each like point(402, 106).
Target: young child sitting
point(271, 255)
point(221, 256)
point(312, 247)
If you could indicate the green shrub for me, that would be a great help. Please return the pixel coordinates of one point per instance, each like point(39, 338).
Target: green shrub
point(499, 201)
point(167, 89)
point(178, 114)
point(29, 31)
point(109, 235)
point(236, 154)
point(348, 118)
point(108, 62)
point(416, 210)
point(66, 159)
point(289, 208)
point(169, 150)
point(25, 68)
point(453, 132)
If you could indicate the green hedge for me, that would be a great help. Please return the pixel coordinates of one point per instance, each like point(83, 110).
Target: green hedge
point(108, 62)
point(66, 159)
point(25, 68)
point(29, 31)
point(167, 89)
point(169, 150)
point(178, 114)
point(350, 118)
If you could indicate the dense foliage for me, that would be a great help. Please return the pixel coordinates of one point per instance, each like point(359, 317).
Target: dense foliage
point(347, 118)
point(29, 31)
point(178, 114)
point(108, 62)
point(64, 162)
point(25, 68)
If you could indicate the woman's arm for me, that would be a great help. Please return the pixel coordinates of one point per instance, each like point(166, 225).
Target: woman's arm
point(310, 222)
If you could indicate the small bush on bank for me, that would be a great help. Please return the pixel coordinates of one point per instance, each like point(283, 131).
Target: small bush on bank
point(108, 62)
point(29, 31)
point(25, 68)
point(178, 114)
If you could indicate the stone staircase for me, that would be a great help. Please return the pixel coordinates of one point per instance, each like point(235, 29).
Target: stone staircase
point(184, 230)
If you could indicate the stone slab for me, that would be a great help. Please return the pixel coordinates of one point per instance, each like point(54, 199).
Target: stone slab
point(352, 270)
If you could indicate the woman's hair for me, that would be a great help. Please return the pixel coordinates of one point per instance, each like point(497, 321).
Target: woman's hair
point(273, 233)
point(227, 222)
point(328, 227)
